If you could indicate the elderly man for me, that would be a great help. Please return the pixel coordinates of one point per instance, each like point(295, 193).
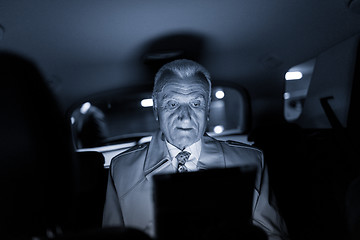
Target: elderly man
point(181, 98)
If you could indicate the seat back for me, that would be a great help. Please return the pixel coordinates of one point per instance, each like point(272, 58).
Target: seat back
point(35, 152)
point(91, 190)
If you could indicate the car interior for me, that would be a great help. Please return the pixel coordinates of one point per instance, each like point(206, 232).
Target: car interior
point(76, 90)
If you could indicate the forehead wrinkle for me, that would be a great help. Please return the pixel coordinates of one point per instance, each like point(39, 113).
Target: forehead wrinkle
point(169, 75)
point(172, 78)
point(185, 88)
point(196, 94)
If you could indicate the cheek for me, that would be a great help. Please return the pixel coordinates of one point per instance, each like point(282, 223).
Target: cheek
point(166, 120)
point(204, 117)
point(200, 116)
point(169, 117)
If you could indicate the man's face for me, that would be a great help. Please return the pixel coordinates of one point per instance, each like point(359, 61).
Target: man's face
point(182, 109)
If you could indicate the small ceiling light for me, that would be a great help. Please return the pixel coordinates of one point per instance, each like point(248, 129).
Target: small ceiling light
point(286, 95)
point(85, 107)
point(219, 94)
point(218, 129)
point(148, 102)
point(293, 75)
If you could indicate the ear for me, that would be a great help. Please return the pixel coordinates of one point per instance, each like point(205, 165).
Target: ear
point(155, 110)
point(208, 113)
point(208, 108)
point(156, 114)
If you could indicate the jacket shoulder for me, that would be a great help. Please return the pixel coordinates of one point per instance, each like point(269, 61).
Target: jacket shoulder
point(139, 148)
point(238, 153)
point(236, 144)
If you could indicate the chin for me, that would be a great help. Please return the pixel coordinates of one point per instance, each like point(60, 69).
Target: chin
point(183, 143)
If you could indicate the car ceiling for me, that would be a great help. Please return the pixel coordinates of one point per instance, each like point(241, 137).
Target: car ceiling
point(87, 46)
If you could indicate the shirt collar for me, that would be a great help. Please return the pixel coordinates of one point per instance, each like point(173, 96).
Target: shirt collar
point(194, 149)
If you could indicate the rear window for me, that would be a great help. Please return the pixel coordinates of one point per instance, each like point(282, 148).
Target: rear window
point(126, 115)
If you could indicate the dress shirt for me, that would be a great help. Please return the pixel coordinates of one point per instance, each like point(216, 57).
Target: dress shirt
point(191, 163)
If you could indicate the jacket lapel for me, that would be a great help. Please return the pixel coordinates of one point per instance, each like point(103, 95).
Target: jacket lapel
point(212, 155)
point(157, 157)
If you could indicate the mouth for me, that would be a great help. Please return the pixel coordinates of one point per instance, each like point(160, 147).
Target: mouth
point(183, 129)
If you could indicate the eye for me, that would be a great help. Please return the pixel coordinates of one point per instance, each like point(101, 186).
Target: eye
point(172, 104)
point(196, 103)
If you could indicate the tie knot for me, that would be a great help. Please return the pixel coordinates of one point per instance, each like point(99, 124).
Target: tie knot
point(182, 157)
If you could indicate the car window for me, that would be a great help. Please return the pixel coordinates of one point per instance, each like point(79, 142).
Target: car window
point(112, 122)
point(297, 81)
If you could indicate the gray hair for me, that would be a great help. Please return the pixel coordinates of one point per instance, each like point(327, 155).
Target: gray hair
point(182, 68)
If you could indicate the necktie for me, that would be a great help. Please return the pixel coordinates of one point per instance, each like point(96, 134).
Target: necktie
point(182, 157)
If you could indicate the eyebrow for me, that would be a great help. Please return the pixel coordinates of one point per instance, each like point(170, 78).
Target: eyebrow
point(170, 95)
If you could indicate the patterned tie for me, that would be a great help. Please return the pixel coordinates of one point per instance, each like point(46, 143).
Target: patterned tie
point(182, 157)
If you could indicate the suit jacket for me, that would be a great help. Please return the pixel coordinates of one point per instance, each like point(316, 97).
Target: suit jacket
point(129, 197)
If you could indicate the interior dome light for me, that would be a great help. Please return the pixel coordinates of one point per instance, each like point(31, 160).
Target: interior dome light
point(218, 129)
point(148, 102)
point(286, 95)
point(219, 94)
point(85, 107)
point(293, 75)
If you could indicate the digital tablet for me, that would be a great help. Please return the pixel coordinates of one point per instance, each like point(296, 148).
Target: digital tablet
point(203, 204)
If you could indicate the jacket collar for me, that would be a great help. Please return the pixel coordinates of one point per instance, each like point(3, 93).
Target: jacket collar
point(211, 155)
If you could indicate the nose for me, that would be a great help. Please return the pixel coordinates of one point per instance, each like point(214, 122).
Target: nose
point(184, 113)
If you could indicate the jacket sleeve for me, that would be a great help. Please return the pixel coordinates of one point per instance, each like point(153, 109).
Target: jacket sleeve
point(265, 212)
point(112, 215)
